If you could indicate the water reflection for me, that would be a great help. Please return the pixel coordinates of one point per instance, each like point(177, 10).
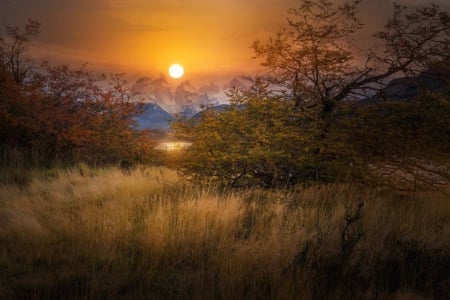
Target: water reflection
point(172, 146)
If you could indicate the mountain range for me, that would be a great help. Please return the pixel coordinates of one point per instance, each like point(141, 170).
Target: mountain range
point(401, 89)
point(154, 117)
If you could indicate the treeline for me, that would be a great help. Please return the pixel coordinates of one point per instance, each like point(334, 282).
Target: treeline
point(57, 113)
point(303, 120)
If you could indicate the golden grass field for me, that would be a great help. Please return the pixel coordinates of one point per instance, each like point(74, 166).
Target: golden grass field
point(84, 233)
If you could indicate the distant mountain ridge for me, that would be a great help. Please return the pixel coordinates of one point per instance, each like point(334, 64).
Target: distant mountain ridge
point(154, 117)
point(406, 88)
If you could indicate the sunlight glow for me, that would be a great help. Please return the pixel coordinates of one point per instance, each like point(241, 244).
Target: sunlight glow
point(176, 71)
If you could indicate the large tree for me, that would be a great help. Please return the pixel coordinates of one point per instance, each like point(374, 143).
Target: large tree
point(304, 125)
point(317, 63)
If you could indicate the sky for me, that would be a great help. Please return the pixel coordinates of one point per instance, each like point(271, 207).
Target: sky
point(210, 38)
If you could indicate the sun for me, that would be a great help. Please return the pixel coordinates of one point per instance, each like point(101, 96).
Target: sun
point(176, 71)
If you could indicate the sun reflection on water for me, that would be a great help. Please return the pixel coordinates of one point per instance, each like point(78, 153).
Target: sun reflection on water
point(172, 146)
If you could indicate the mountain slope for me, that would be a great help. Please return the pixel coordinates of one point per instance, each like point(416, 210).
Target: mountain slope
point(154, 117)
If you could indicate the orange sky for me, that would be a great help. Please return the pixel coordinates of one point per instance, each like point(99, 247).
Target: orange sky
point(211, 38)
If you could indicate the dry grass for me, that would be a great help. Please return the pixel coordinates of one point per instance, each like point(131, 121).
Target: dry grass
point(85, 233)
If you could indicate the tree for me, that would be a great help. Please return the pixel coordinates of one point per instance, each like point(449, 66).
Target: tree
point(17, 129)
point(86, 116)
point(302, 125)
point(13, 48)
point(62, 113)
point(407, 142)
point(258, 141)
point(315, 62)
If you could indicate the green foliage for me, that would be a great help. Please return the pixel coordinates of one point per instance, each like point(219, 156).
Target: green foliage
point(407, 142)
point(264, 139)
point(310, 128)
point(261, 140)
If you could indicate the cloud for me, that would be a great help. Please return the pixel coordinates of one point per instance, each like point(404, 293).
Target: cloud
point(185, 94)
point(154, 90)
point(240, 82)
point(210, 88)
point(175, 98)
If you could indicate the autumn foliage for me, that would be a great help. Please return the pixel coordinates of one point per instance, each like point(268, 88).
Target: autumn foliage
point(62, 113)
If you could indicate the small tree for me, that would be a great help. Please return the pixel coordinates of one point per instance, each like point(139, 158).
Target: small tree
point(17, 129)
point(87, 116)
point(258, 141)
point(62, 113)
point(13, 48)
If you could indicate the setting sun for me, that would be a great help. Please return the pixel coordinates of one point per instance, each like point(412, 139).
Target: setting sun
point(176, 71)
